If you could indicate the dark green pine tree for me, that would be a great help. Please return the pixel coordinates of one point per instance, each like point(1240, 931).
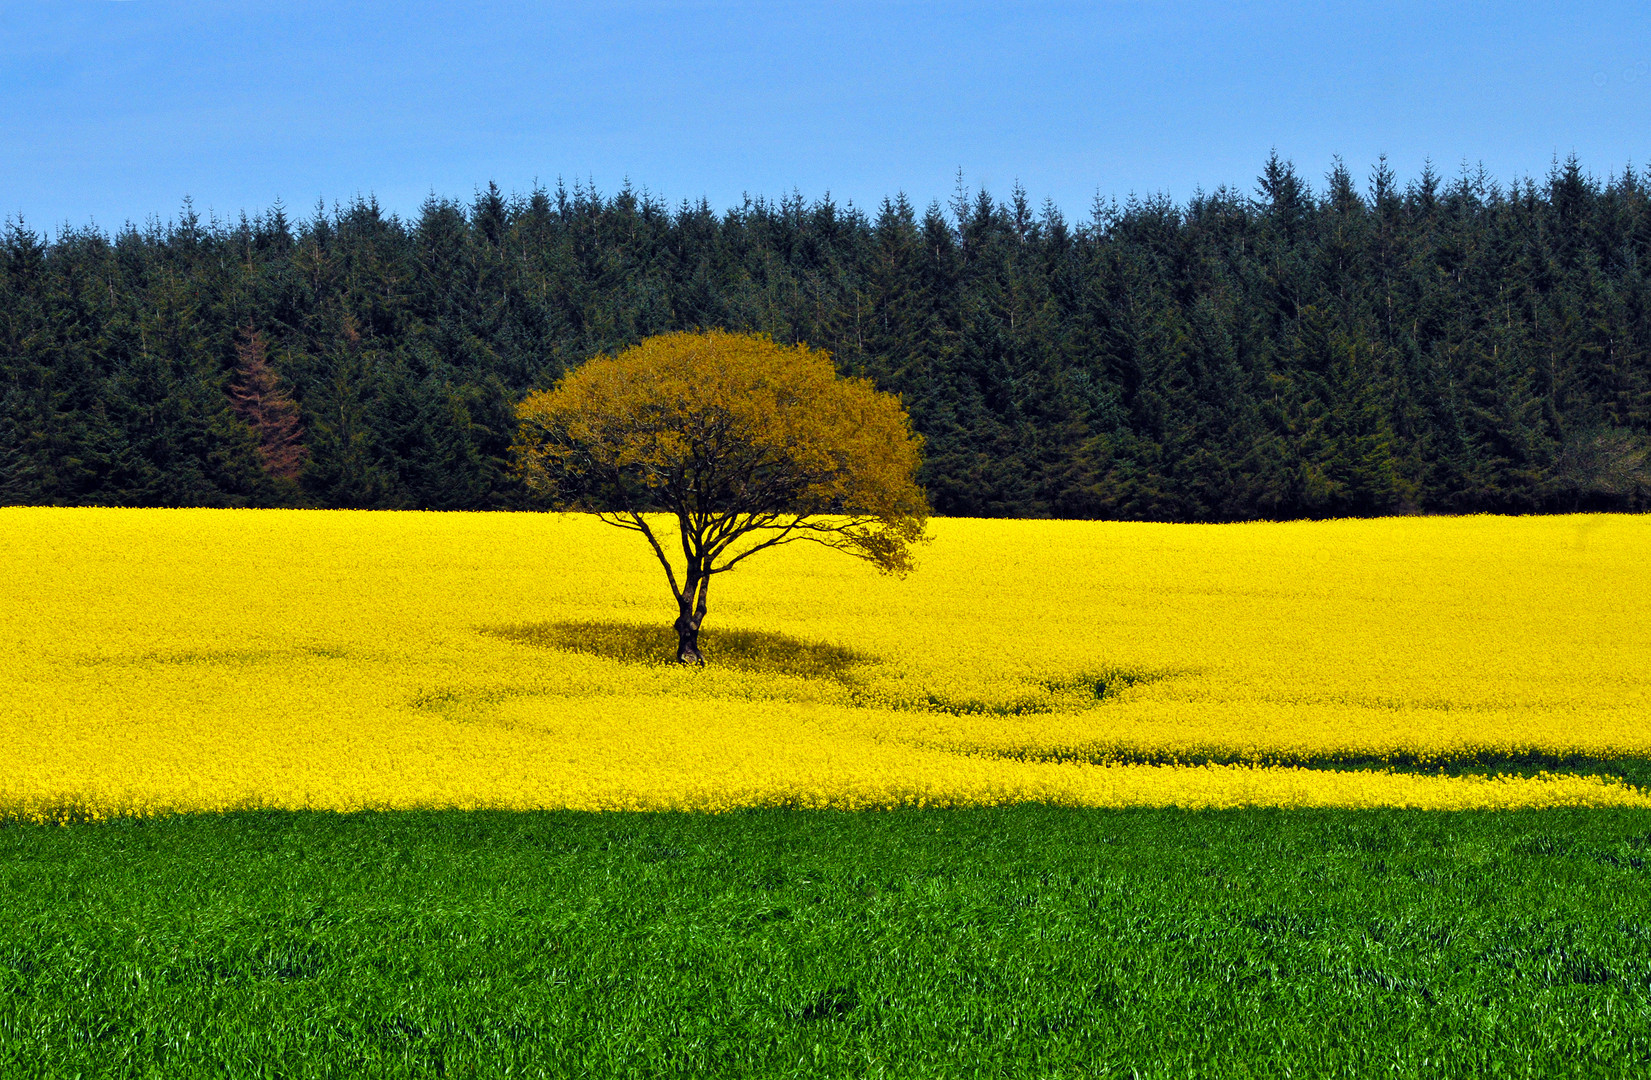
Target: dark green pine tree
point(346, 466)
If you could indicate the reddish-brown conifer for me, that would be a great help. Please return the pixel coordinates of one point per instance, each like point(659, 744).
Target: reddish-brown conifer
point(258, 399)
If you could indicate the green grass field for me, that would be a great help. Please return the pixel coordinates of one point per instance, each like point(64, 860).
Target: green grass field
point(1029, 941)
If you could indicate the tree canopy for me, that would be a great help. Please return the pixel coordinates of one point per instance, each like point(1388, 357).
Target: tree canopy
point(748, 443)
point(1295, 349)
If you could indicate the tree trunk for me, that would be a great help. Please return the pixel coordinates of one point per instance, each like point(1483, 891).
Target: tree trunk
point(691, 612)
point(687, 639)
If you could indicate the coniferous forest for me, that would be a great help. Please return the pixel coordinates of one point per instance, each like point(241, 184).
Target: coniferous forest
point(1350, 347)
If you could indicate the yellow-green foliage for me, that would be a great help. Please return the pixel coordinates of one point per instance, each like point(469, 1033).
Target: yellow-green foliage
point(750, 441)
point(159, 660)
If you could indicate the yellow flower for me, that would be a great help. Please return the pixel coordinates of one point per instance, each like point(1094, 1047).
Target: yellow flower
point(161, 660)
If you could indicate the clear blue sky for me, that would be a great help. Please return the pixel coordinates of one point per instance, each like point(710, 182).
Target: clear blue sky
point(116, 109)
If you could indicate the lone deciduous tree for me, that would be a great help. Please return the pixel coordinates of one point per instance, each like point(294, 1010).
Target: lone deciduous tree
point(750, 444)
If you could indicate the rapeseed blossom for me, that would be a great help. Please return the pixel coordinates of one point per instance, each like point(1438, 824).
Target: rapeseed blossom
point(154, 661)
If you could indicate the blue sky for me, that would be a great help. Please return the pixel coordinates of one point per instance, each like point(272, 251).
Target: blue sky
point(114, 110)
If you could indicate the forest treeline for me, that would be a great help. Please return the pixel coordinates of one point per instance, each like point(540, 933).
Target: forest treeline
point(1359, 348)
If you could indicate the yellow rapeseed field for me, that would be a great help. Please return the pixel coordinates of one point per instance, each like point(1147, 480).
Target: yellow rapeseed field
point(158, 660)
